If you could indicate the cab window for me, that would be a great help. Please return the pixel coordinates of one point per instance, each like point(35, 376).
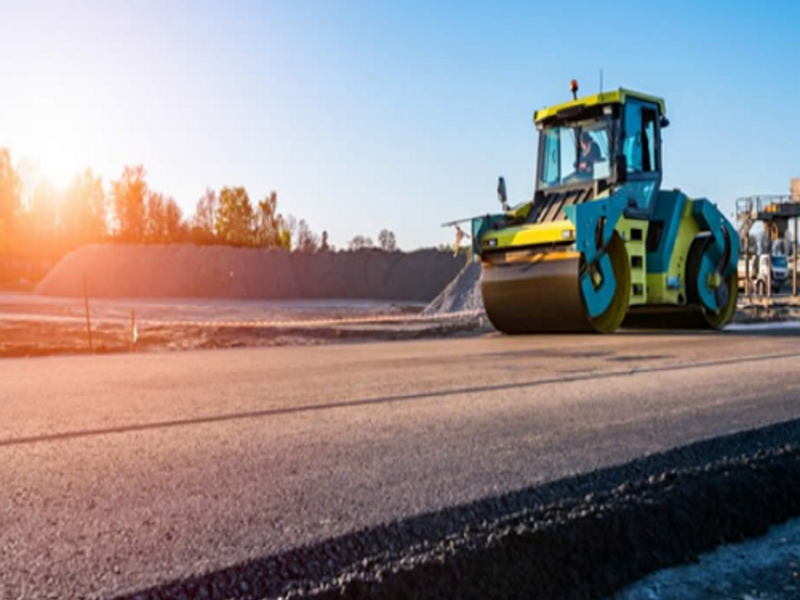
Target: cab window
point(640, 142)
point(572, 154)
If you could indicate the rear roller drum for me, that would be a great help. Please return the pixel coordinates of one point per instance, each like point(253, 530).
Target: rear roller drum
point(726, 294)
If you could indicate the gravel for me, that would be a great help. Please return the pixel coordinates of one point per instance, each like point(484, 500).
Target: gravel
point(765, 568)
point(185, 270)
point(462, 294)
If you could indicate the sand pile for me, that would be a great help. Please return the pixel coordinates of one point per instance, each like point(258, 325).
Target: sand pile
point(185, 270)
point(463, 293)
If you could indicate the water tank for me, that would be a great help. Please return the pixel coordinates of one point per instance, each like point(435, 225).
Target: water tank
point(796, 189)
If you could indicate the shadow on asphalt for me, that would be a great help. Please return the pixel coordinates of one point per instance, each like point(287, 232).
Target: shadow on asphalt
point(278, 574)
point(757, 331)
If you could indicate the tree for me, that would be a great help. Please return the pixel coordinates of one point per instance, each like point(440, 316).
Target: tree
point(307, 241)
point(284, 236)
point(359, 242)
point(205, 217)
point(267, 222)
point(387, 241)
point(173, 222)
point(37, 228)
point(234, 223)
point(43, 211)
point(155, 229)
point(290, 229)
point(10, 191)
point(83, 213)
point(130, 194)
point(271, 229)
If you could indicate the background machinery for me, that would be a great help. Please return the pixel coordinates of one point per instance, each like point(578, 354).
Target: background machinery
point(601, 244)
point(765, 270)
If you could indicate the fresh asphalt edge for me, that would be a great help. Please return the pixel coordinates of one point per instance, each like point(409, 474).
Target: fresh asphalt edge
point(582, 537)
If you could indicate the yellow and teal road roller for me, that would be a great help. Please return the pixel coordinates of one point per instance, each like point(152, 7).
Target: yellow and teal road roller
point(601, 245)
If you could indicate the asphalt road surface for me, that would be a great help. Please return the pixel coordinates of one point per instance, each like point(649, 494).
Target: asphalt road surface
point(121, 472)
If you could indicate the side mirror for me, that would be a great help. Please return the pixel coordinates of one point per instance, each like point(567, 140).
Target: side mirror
point(621, 168)
point(501, 192)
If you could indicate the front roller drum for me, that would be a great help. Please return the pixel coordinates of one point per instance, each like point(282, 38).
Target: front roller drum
point(543, 294)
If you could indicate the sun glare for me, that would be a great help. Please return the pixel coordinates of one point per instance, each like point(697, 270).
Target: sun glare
point(56, 145)
point(57, 164)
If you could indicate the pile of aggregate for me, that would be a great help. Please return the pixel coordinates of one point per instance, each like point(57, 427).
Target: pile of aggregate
point(186, 270)
point(461, 294)
point(582, 537)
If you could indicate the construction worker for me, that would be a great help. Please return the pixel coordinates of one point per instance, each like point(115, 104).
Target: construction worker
point(589, 155)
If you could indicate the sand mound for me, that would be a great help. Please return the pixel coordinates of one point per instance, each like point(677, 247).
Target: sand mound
point(185, 270)
point(463, 293)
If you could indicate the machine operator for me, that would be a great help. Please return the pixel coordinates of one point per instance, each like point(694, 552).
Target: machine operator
point(590, 154)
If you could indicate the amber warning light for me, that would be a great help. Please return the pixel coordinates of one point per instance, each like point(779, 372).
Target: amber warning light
point(573, 87)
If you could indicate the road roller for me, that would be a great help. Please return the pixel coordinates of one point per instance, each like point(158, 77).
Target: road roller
point(601, 245)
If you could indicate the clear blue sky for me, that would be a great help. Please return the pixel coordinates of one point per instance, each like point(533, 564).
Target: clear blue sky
point(365, 115)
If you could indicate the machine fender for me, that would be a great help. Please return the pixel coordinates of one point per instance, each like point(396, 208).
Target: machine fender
point(725, 247)
point(719, 259)
point(595, 224)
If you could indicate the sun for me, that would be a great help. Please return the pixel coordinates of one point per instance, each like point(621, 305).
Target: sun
point(55, 143)
point(57, 164)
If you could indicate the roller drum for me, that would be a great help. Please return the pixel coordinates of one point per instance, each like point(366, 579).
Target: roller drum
point(542, 294)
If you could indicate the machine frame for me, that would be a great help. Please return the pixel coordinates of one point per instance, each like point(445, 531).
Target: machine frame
point(630, 244)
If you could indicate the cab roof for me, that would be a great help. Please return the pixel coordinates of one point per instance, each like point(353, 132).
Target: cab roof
point(619, 96)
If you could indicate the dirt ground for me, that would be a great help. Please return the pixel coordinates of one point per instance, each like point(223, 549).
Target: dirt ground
point(36, 326)
point(32, 325)
point(781, 308)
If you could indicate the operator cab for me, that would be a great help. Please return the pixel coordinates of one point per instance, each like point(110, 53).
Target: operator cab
point(595, 144)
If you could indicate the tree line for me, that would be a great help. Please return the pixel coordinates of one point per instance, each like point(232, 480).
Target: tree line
point(130, 211)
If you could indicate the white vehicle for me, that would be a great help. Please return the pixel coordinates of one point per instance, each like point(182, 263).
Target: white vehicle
point(759, 265)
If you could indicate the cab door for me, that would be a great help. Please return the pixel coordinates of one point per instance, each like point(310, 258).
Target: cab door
point(641, 145)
